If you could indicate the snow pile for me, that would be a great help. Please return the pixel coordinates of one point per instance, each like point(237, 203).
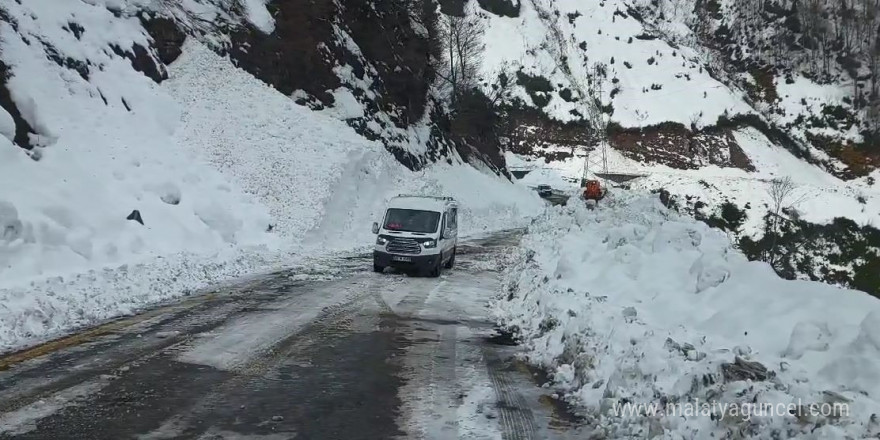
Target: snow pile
point(108, 151)
point(632, 304)
point(282, 154)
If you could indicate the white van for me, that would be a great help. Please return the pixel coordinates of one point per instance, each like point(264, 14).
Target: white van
point(417, 232)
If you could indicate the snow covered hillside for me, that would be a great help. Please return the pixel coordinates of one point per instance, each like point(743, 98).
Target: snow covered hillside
point(670, 99)
point(821, 196)
point(673, 88)
point(632, 304)
point(142, 181)
point(679, 111)
point(561, 40)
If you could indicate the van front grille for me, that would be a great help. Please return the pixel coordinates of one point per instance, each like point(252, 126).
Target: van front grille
point(403, 246)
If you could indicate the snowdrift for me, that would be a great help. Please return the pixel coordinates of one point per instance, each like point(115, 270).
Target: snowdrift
point(229, 177)
point(633, 304)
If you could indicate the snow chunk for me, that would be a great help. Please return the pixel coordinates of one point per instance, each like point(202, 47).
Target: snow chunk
point(807, 336)
point(858, 365)
point(259, 16)
point(346, 105)
point(10, 225)
point(219, 219)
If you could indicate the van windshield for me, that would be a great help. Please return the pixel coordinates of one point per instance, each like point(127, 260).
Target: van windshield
point(411, 220)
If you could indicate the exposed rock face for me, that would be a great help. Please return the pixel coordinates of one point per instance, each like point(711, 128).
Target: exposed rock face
point(23, 130)
point(167, 38)
point(504, 8)
point(381, 52)
point(677, 146)
point(530, 132)
point(296, 56)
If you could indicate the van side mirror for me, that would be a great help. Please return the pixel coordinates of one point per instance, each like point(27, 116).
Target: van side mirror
point(375, 228)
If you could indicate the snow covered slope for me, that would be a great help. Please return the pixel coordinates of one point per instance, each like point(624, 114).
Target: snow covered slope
point(675, 83)
point(698, 126)
point(561, 41)
point(631, 304)
point(228, 176)
point(820, 196)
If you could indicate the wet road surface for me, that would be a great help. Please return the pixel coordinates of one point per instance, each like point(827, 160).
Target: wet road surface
point(352, 355)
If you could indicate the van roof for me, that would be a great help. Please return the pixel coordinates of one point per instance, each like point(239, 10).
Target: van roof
point(424, 203)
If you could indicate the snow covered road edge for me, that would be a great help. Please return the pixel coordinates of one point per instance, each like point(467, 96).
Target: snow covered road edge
point(631, 304)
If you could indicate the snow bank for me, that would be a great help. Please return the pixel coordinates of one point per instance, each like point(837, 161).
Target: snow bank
point(108, 152)
point(632, 303)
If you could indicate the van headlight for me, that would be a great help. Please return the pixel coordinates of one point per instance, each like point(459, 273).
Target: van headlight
point(430, 244)
point(381, 240)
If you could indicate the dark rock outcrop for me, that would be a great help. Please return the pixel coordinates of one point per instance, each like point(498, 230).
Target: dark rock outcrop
point(676, 146)
point(742, 369)
point(143, 62)
point(167, 38)
point(135, 216)
point(504, 8)
point(298, 55)
point(23, 129)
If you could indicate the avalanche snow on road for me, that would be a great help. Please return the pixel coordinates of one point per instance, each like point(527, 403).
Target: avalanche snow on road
point(332, 354)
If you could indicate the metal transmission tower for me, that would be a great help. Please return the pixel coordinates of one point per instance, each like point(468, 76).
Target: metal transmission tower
point(596, 162)
point(596, 159)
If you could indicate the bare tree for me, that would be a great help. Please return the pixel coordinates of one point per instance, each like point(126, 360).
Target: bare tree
point(502, 88)
point(874, 65)
point(462, 39)
point(782, 193)
point(873, 114)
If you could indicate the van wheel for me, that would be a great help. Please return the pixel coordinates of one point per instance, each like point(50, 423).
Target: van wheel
point(435, 271)
point(451, 263)
point(378, 269)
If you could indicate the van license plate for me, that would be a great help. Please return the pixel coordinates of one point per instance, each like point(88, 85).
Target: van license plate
point(404, 259)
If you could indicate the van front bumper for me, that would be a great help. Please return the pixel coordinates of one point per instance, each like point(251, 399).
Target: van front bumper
point(385, 259)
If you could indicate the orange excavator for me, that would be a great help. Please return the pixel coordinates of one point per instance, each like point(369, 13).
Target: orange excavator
point(593, 190)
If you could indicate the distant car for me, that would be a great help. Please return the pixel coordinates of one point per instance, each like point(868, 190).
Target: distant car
point(544, 190)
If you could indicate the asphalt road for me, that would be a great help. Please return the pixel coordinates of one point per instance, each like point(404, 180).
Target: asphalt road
point(357, 356)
